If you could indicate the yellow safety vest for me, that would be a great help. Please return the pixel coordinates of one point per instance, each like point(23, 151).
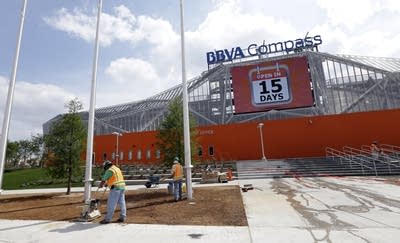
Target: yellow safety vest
point(177, 169)
point(117, 178)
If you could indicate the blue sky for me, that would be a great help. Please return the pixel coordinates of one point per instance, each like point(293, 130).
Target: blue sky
point(140, 53)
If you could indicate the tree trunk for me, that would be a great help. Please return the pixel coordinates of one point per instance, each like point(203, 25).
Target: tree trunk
point(69, 179)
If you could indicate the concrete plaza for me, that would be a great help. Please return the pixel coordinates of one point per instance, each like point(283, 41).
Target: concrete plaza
point(314, 209)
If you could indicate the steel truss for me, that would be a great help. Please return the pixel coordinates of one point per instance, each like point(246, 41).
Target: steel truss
point(340, 84)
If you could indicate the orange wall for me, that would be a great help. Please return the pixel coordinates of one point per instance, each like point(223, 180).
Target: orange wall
point(135, 141)
point(299, 137)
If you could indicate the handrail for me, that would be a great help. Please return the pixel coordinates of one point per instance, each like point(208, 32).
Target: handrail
point(392, 147)
point(392, 150)
point(364, 158)
point(331, 151)
point(390, 154)
point(366, 147)
point(387, 159)
point(382, 158)
point(340, 154)
point(360, 156)
point(355, 151)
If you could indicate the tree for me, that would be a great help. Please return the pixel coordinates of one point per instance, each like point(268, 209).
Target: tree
point(25, 150)
point(66, 143)
point(37, 148)
point(170, 135)
point(12, 154)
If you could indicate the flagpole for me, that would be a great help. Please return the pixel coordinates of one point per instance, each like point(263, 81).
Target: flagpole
point(11, 87)
point(186, 128)
point(89, 148)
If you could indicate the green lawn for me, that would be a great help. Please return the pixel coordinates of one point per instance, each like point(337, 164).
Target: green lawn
point(32, 178)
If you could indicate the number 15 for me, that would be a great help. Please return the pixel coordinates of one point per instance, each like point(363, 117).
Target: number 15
point(275, 85)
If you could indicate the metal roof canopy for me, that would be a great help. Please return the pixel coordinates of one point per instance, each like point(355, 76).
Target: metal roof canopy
point(341, 84)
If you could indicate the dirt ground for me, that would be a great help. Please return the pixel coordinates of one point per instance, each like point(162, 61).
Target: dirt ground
point(212, 206)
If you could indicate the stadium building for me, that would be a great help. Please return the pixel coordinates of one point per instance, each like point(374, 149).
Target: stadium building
point(277, 105)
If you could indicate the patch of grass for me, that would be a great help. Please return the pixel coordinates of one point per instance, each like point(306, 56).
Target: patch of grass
point(33, 178)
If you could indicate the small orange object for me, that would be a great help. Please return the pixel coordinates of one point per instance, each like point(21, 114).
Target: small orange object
point(229, 174)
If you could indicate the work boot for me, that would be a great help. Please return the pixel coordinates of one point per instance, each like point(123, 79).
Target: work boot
point(104, 221)
point(121, 220)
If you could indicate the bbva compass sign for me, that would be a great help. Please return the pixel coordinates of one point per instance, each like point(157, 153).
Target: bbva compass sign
point(225, 55)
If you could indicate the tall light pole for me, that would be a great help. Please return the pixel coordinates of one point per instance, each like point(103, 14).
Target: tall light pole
point(186, 129)
point(89, 147)
point(117, 134)
point(260, 125)
point(10, 96)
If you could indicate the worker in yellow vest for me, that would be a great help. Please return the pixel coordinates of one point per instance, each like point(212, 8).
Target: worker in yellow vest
point(177, 176)
point(114, 179)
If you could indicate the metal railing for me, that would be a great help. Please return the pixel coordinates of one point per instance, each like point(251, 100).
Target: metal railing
point(361, 156)
point(342, 156)
point(390, 157)
point(392, 150)
point(381, 158)
point(389, 153)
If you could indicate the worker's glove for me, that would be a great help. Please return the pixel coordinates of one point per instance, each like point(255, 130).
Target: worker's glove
point(102, 184)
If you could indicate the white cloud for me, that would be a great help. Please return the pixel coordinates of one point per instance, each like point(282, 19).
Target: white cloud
point(126, 70)
point(230, 25)
point(33, 105)
point(343, 11)
point(351, 14)
point(160, 40)
point(379, 44)
point(132, 79)
point(371, 42)
point(112, 27)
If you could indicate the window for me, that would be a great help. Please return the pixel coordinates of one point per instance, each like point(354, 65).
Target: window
point(130, 155)
point(200, 151)
point(139, 154)
point(104, 156)
point(158, 153)
point(211, 150)
point(121, 155)
point(148, 154)
point(113, 156)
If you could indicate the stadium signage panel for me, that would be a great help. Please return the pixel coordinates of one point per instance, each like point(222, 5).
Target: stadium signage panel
point(225, 55)
point(272, 85)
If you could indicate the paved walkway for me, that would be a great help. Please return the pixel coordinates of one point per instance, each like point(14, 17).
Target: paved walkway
point(324, 209)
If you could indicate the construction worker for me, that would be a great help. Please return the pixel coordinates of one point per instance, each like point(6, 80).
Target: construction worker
point(177, 176)
point(114, 179)
point(376, 151)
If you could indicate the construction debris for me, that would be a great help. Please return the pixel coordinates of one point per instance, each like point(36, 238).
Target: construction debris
point(247, 187)
point(213, 177)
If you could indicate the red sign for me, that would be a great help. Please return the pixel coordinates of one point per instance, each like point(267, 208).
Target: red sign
point(274, 85)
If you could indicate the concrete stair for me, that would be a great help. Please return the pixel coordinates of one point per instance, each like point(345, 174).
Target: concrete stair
point(309, 167)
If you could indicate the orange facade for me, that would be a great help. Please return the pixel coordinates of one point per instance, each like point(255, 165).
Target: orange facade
point(290, 138)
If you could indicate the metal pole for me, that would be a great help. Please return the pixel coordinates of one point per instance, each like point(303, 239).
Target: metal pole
point(7, 111)
point(89, 148)
point(117, 152)
point(260, 125)
point(186, 129)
